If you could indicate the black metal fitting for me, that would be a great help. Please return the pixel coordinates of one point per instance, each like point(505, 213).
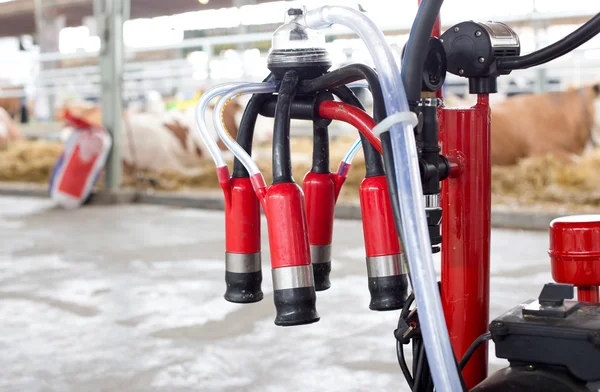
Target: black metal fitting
point(304, 107)
point(428, 145)
point(473, 50)
point(443, 167)
point(434, 68)
point(429, 164)
point(434, 222)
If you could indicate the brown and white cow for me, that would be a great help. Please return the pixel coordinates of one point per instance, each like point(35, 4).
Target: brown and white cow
point(9, 130)
point(559, 122)
point(563, 123)
point(156, 139)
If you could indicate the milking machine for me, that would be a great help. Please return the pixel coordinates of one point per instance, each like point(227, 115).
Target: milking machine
point(424, 162)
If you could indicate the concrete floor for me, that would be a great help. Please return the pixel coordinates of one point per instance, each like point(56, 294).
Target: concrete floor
point(129, 298)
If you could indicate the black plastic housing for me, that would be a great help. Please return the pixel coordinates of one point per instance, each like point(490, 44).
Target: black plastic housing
point(570, 342)
point(434, 69)
point(525, 378)
point(471, 52)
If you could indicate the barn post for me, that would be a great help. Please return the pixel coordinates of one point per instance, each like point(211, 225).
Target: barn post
point(48, 25)
point(110, 15)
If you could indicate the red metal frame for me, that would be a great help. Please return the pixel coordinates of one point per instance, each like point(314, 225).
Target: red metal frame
point(466, 229)
point(466, 205)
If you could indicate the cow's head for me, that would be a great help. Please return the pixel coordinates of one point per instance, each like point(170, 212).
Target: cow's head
point(87, 111)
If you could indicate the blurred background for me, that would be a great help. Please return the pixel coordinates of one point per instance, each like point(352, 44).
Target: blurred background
point(51, 47)
point(130, 297)
point(60, 54)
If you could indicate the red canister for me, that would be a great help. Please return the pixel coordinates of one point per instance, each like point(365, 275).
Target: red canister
point(575, 253)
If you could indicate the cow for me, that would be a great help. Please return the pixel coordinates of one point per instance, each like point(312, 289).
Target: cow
point(155, 139)
point(9, 130)
point(12, 105)
point(559, 122)
point(562, 123)
point(17, 107)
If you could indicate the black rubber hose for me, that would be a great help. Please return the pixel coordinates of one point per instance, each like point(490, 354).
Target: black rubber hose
point(474, 346)
point(416, 349)
point(352, 73)
point(390, 175)
point(282, 161)
point(373, 161)
point(246, 129)
point(418, 376)
point(403, 365)
point(572, 41)
point(320, 158)
point(348, 74)
point(399, 346)
point(416, 53)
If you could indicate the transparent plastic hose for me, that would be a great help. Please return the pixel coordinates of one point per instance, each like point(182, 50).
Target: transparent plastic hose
point(359, 84)
point(350, 155)
point(207, 138)
point(232, 145)
point(417, 246)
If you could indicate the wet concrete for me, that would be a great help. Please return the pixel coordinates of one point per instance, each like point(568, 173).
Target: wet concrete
point(129, 298)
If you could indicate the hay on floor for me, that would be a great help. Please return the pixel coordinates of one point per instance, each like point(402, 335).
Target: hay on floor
point(537, 181)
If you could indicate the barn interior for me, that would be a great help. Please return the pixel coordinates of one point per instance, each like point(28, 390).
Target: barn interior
point(122, 288)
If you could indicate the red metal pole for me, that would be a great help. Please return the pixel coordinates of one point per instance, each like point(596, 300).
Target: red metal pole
point(437, 27)
point(466, 205)
point(588, 294)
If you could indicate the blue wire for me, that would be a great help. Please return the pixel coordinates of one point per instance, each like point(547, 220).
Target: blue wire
point(354, 147)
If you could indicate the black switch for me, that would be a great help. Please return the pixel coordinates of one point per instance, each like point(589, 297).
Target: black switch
point(554, 294)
